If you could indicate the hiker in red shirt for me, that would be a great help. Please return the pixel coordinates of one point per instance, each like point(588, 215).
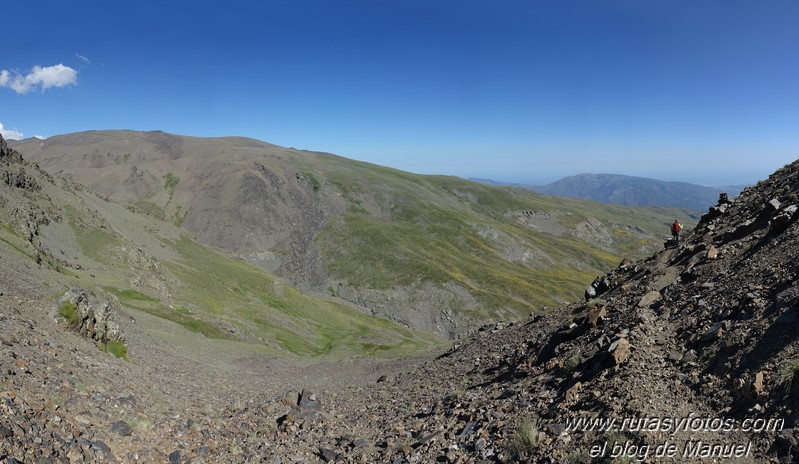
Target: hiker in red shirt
point(675, 231)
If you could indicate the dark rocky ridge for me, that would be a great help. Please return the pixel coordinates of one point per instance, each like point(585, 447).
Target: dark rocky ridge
point(7, 154)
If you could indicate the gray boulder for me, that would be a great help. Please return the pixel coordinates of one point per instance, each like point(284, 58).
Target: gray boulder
point(93, 316)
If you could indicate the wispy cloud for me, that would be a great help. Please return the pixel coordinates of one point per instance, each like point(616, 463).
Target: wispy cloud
point(83, 58)
point(39, 78)
point(9, 133)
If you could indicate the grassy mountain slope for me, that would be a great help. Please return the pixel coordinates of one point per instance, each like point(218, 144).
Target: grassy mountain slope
point(438, 253)
point(55, 235)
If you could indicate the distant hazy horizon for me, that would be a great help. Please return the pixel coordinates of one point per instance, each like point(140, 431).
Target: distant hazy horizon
point(709, 180)
point(717, 178)
point(525, 91)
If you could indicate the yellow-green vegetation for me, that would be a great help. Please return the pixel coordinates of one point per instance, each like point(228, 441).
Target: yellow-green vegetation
point(787, 375)
point(12, 238)
point(399, 231)
point(117, 348)
point(424, 242)
point(171, 182)
point(527, 437)
point(140, 422)
point(402, 229)
point(69, 312)
point(92, 239)
point(314, 181)
point(142, 302)
point(177, 217)
point(149, 208)
point(219, 293)
point(8, 228)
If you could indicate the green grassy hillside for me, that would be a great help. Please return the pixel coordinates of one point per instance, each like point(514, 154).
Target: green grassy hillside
point(431, 252)
point(63, 236)
point(402, 229)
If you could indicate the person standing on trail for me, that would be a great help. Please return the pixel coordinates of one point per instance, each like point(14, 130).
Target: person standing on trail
point(676, 227)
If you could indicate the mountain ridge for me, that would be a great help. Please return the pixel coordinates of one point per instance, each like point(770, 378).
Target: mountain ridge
point(427, 251)
point(631, 190)
point(64, 235)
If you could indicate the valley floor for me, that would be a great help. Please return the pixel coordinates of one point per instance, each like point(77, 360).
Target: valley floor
point(178, 398)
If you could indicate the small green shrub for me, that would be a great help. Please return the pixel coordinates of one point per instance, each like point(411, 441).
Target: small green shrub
point(178, 218)
point(170, 182)
point(140, 423)
point(527, 438)
point(579, 456)
point(314, 181)
point(573, 361)
point(117, 348)
point(787, 375)
point(69, 312)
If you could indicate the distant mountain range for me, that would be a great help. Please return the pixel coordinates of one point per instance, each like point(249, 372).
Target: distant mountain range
point(631, 190)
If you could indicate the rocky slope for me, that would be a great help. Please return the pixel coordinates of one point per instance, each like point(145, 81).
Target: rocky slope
point(435, 253)
point(692, 352)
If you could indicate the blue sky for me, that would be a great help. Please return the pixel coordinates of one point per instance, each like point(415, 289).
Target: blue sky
point(525, 91)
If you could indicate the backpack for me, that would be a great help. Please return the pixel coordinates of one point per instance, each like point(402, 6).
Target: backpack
point(676, 227)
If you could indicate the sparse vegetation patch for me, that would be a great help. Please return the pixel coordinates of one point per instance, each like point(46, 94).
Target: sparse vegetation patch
point(93, 240)
point(246, 296)
point(118, 349)
point(171, 182)
point(527, 438)
point(788, 374)
point(149, 208)
point(69, 312)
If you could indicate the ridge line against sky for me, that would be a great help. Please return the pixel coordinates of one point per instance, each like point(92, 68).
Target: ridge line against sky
point(521, 91)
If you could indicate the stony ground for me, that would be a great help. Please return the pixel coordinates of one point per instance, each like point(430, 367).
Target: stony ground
point(64, 400)
point(692, 352)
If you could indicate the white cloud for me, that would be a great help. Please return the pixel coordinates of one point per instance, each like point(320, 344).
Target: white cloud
point(39, 78)
point(40, 137)
point(83, 58)
point(10, 133)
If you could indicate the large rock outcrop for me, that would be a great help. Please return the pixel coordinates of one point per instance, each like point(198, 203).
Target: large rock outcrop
point(90, 315)
point(7, 154)
point(12, 169)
